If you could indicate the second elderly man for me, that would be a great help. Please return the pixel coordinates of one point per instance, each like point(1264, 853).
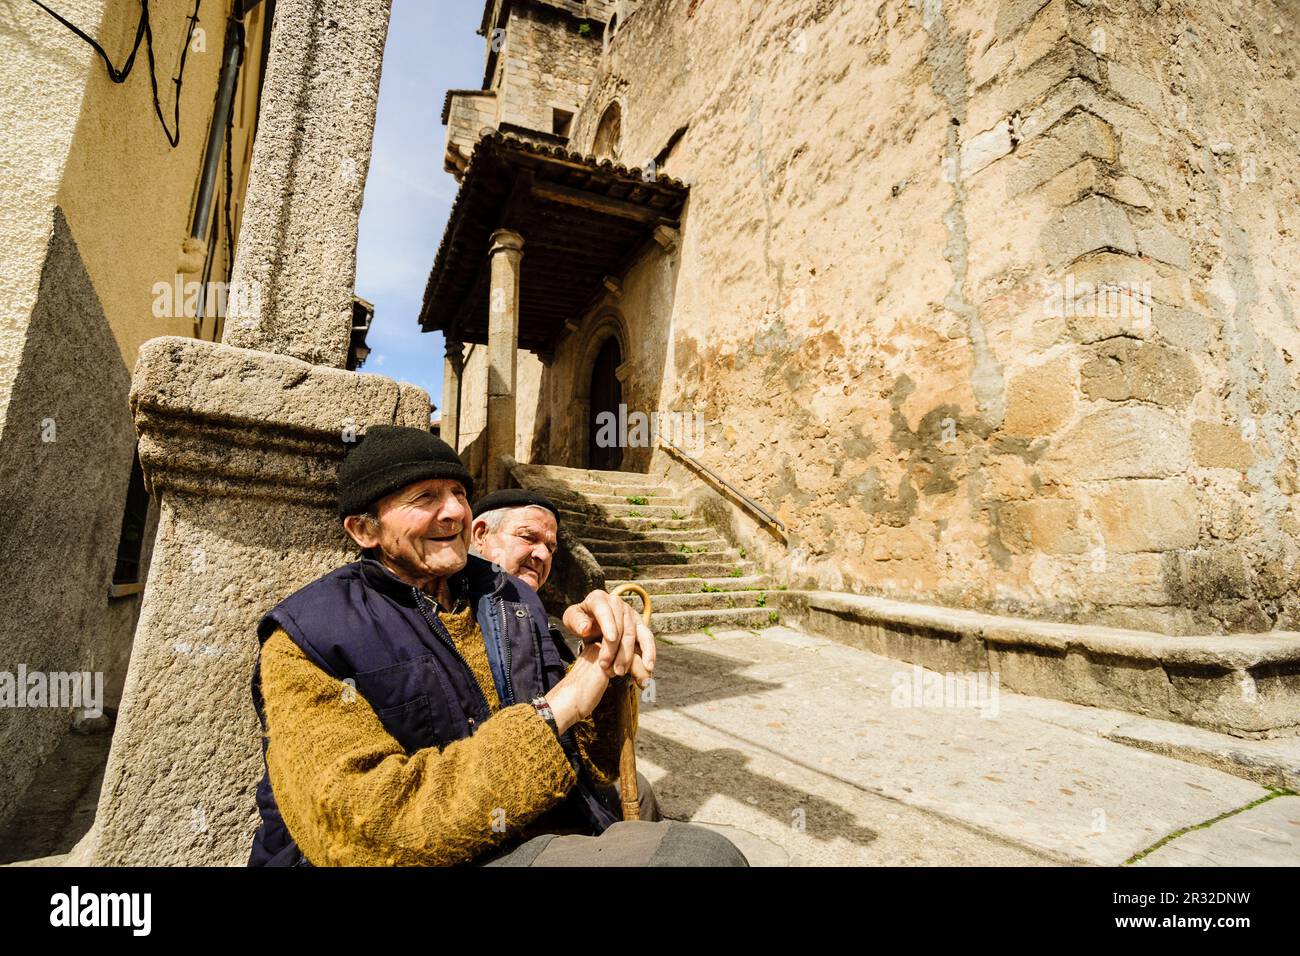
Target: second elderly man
point(518, 530)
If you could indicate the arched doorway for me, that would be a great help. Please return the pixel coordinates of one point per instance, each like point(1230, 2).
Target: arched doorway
point(606, 396)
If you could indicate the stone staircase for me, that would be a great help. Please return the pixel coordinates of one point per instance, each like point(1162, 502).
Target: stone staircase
point(640, 529)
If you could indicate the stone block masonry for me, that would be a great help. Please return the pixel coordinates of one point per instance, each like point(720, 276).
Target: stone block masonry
point(1003, 320)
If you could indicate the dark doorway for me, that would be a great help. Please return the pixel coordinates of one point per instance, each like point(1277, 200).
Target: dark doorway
point(606, 396)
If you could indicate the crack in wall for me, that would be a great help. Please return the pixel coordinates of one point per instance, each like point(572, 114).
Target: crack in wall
point(946, 56)
point(760, 164)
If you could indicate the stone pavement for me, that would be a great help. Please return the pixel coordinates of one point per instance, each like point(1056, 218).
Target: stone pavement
point(807, 752)
point(796, 748)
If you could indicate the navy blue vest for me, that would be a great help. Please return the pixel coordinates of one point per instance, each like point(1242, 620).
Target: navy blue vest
point(362, 623)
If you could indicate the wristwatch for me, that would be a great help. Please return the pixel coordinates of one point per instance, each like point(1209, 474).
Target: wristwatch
point(544, 711)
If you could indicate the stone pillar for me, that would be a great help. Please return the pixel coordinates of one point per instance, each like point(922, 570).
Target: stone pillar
point(241, 442)
point(296, 264)
point(506, 254)
point(452, 368)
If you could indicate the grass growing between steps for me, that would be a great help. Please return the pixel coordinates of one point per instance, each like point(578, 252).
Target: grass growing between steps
point(1273, 793)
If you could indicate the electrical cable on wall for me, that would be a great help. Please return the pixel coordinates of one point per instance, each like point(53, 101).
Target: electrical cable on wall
point(218, 320)
point(144, 31)
point(230, 188)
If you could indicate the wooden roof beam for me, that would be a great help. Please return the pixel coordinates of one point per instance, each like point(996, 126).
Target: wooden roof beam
point(554, 192)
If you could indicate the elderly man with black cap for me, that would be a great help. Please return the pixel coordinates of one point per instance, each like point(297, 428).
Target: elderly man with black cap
point(518, 530)
point(416, 710)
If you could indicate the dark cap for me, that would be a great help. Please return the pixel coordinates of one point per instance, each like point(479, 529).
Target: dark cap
point(515, 498)
point(392, 457)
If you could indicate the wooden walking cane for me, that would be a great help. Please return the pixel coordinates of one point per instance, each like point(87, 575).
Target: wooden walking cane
point(627, 722)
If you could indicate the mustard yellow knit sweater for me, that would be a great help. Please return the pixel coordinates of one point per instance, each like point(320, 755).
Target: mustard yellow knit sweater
point(351, 795)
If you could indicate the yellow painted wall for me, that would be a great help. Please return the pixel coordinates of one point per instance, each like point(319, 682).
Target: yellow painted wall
point(128, 195)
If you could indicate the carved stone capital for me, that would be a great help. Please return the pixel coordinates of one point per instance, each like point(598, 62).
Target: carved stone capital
point(219, 420)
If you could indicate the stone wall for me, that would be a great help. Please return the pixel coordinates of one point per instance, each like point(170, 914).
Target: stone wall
point(469, 113)
point(547, 64)
point(529, 375)
point(884, 299)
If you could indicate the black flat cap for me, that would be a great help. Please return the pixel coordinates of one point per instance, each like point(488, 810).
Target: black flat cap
point(391, 457)
point(515, 498)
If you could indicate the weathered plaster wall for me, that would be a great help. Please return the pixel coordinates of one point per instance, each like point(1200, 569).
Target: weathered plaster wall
point(877, 302)
point(95, 206)
point(128, 195)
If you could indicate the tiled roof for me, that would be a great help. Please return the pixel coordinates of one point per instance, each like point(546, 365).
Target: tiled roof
point(581, 218)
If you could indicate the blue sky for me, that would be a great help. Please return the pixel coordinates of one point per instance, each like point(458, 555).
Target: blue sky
point(432, 47)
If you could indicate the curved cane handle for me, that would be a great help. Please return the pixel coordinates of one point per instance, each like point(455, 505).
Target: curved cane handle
point(626, 721)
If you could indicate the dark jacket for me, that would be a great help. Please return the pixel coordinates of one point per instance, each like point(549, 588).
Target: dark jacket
point(362, 623)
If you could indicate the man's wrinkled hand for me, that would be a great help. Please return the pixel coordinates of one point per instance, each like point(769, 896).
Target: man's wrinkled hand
point(580, 690)
point(627, 645)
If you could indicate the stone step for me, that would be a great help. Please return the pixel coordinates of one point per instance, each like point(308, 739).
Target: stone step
point(591, 519)
point(603, 511)
point(622, 479)
point(579, 499)
point(653, 552)
point(679, 622)
point(689, 585)
point(568, 489)
point(629, 527)
point(684, 546)
point(697, 601)
point(604, 535)
point(653, 571)
point(548, 486)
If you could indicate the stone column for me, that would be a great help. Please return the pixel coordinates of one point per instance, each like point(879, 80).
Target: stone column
point(296, 264)
point(241, 442)
point(506, 254)
point(452, 368)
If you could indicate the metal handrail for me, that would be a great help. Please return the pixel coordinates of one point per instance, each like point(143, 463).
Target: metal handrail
point(754, 505)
